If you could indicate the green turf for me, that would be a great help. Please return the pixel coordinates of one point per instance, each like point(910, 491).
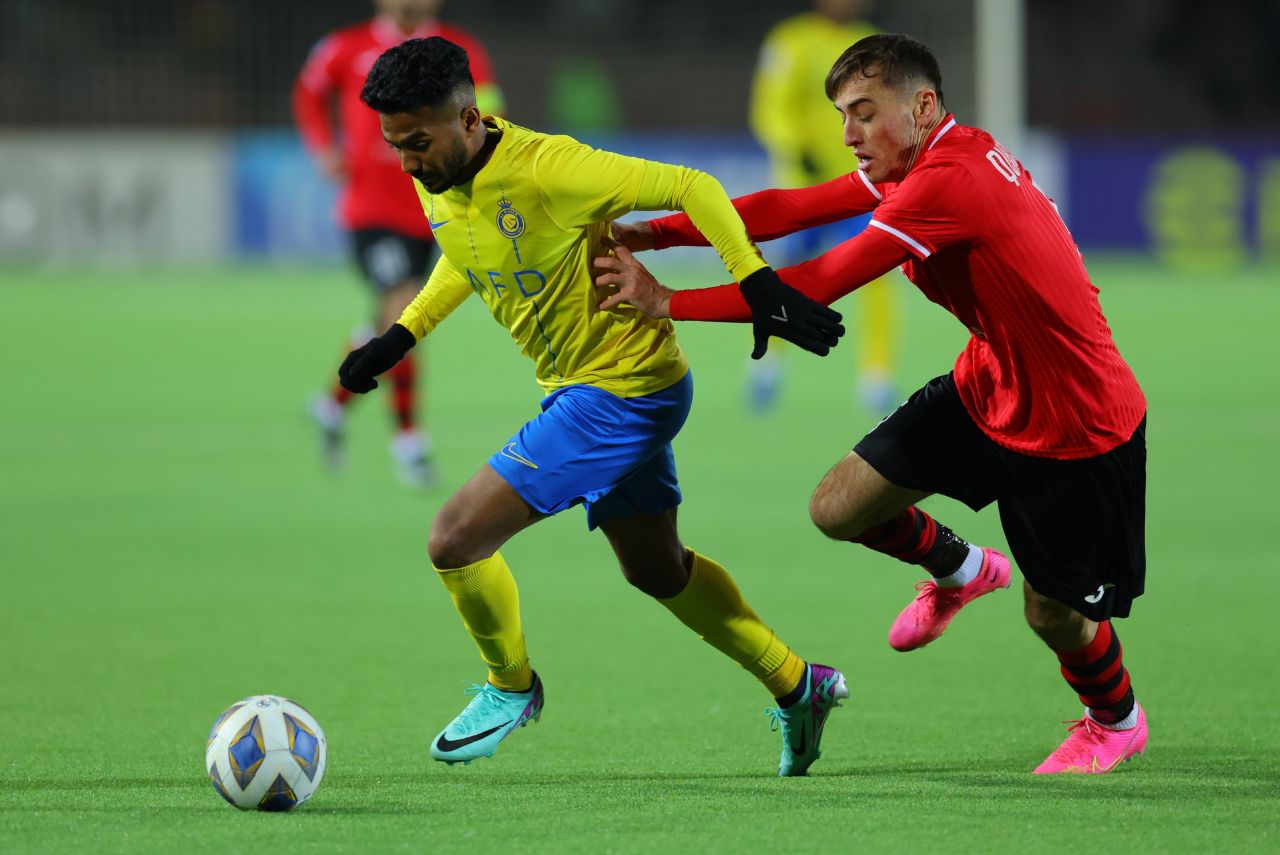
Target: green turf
point(169, 545)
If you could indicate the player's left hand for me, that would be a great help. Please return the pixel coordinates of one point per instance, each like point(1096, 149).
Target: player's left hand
point(778, 309)
point(373, 358)
point(634, 282)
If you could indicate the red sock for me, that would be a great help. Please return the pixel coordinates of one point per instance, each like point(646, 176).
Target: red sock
point(916, 538)
point(403, 377)
point(340, 395)
point(1097, 673)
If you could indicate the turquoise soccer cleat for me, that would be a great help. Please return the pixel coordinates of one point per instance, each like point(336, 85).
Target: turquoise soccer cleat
point(802, 722)
point(486, 721)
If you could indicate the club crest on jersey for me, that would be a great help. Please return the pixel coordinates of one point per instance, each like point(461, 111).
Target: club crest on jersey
point(510, 221)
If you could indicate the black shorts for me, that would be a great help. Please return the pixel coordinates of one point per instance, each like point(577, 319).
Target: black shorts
point(387, 258)
point(1075, 527)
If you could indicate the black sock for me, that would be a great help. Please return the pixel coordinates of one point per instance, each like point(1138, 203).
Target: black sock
point(793, 697)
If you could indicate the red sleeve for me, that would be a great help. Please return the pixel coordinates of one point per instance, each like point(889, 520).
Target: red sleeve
point(827, 278)
point(312, 93)
point(934, 208)
point(772, 214)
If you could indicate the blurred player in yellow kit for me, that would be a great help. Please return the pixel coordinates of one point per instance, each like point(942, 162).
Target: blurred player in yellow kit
point(519, 216)
point(787, 103)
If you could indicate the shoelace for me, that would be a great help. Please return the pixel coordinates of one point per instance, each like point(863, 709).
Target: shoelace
point(481, 699)
point(777, 717)
point(1094, 731)
point(929, 588)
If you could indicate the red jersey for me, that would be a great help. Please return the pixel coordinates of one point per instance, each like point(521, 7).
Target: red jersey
point(1041, 374)
point(377, 194)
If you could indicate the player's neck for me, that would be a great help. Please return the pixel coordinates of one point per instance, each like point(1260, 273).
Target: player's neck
point(920, 137)
point(481, 157)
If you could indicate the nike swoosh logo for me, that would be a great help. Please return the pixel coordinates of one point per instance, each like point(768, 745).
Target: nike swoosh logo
point(445, 744)
point(510, 453)
point(435, 226)
point(783, 318)
point(804, 743)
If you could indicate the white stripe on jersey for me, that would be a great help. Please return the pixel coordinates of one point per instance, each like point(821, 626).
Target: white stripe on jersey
point(870, 186)
point(902, 236)
point(948, 126)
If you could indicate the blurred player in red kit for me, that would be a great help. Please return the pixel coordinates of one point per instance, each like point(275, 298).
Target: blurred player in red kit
point(377, 205)
point(1040, 414)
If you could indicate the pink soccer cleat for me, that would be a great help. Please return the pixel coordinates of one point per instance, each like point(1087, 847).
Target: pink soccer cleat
point(1092, 749)
point(926, 617)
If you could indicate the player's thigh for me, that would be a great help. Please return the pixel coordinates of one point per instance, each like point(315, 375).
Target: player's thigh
point(392, 302)
point(474, 523)
point(928, 445)
point(854, 496)
point(649, 551)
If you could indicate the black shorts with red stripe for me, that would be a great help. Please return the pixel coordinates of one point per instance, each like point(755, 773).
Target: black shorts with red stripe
point(1075, 527)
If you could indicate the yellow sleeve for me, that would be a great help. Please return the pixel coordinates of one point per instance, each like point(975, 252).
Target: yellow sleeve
point(580, 185)
point(445, 290)
point(777, 97)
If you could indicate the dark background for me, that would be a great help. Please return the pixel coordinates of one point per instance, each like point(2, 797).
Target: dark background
point(1146, 65)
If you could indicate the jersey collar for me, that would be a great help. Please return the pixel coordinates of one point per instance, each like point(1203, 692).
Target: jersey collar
point(948, 122)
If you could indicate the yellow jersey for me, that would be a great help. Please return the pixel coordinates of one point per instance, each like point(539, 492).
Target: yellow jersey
point(790, 113)
point(522, 235)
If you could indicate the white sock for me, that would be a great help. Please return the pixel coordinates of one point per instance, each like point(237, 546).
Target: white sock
point(410, 445)
point(1128, 722)
point(967, 573)
point(326, 411)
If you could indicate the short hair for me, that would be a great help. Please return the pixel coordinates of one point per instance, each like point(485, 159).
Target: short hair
point(894, 58)
point(415, 74)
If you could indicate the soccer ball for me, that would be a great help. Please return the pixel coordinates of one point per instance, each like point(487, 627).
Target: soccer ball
point(265, 753)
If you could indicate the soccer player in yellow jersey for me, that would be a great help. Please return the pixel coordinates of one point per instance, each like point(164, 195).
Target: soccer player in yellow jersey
point(519, 216)
point(787, 104)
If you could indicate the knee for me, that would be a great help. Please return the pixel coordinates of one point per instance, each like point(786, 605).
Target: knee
point(448, 545)
point(1057, 625)
point(661, 577)
point(1041, 617)
point(832, 517)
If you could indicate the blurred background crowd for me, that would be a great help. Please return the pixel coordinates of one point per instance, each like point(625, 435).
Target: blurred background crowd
point(1143, 65)
point(147, 130)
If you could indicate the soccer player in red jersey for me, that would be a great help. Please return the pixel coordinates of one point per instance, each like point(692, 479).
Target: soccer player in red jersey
point(377, 205)
point(1040, 413)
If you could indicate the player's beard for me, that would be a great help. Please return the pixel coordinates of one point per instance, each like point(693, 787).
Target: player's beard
point(452, 166)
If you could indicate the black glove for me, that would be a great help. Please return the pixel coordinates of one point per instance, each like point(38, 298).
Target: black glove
point(778, 309)
point(371, 359)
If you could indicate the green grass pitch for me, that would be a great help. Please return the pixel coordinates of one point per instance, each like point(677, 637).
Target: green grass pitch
point(170, 545)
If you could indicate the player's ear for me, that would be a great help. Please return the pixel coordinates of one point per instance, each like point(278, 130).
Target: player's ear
point(470, 118)
point(926, 104)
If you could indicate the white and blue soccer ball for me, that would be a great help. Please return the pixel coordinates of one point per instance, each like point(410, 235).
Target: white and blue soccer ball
point(265, 753)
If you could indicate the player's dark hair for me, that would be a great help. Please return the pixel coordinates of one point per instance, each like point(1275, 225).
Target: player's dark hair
point(894, 58)
point(415, 74)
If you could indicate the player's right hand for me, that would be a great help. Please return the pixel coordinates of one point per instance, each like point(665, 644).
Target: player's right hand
point(371, 359)
point(778, 309)
point(635, 285)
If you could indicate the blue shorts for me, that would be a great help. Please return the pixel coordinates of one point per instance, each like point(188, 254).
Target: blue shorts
point(612, 454)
